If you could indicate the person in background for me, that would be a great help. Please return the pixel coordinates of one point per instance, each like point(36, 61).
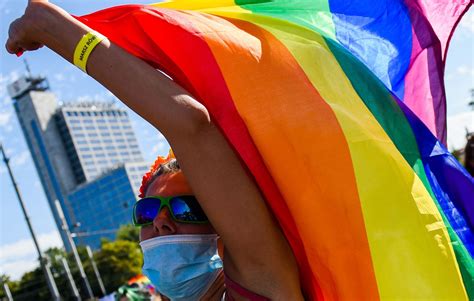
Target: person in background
point(469, 154)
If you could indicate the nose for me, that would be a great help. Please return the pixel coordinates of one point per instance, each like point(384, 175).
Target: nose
point(163, 223)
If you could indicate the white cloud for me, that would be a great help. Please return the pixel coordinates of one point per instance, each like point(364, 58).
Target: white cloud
point(6, 79)
point(162, 145)
point(21, 256)
point(103, 96)
point(464, 70)
point(457, 127)
point(6, 101)
point(468, 22)
point(20, 159)
point(5, 117)
point(159, 147)
point(59, 77)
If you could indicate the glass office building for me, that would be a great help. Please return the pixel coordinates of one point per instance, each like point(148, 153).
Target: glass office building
point(104, 204)
point(75, 146)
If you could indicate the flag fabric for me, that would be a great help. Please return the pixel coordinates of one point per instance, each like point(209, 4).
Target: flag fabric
point(335, 108)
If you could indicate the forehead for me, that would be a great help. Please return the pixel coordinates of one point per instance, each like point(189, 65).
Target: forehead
point(169, 185)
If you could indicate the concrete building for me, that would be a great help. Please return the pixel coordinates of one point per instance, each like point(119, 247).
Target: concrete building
point(73, 146)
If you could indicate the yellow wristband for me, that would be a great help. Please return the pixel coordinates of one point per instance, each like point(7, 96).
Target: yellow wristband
point(85, 47)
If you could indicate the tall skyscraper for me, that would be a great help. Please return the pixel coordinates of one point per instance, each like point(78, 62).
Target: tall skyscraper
point(76, 146)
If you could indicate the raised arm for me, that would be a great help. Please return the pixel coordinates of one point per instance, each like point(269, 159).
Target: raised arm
point(257, 254)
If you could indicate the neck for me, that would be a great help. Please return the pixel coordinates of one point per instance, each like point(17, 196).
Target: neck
point(215, 292)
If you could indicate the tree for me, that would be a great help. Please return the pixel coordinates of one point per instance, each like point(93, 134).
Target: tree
point(32, 286)
point(12, 285)
point(117, 262)
point(128, 232)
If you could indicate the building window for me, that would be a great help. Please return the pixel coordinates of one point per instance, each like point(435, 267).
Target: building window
point(87, 121)
point(76, 128)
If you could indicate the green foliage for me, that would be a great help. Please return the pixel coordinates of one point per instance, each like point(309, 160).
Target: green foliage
point(118, 262)
point(31, 286)
point(128, 232)
point(458, 155)
point(12, 285)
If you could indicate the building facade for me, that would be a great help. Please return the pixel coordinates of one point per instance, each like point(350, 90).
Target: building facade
point(104, 204)
point(96, 137)
point(74, 147)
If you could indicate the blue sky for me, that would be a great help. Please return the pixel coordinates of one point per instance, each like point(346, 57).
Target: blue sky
point(16, 250)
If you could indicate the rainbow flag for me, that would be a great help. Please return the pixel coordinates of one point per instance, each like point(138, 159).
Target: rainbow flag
point(332, 106)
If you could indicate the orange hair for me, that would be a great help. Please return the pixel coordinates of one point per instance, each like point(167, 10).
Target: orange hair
point(149, 176)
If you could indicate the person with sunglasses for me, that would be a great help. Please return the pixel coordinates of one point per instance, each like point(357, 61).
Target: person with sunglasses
point(179, 238)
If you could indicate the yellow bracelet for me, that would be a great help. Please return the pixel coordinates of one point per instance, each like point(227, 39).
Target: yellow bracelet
point(85, 47)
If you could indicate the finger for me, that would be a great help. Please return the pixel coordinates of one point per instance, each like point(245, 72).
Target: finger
point(12, 47)
point(34, 46)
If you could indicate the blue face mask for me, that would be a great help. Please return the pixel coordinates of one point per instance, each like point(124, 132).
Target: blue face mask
point(182, 267)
